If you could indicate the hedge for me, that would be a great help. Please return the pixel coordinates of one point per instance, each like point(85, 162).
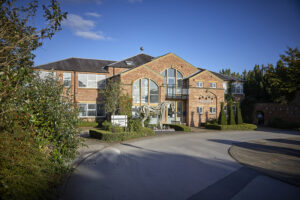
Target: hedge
point(117, 137)
point(280, 123)
point(87, 124)
point(243, 126)
point(180, 127)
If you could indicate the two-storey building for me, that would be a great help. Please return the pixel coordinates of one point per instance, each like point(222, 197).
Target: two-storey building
point(196, 92)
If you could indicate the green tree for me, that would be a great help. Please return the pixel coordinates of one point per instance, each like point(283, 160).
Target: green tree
point(112, 93)
point(231, 120)
point(239, 119)
point(125, 105)
point(222, 116)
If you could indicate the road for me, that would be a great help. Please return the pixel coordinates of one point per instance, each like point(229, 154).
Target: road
point(185, 166)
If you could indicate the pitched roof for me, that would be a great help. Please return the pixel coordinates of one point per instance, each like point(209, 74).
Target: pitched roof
point(132, 62)
point(78, 64)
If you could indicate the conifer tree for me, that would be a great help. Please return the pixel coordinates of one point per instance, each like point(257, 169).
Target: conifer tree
point(222, 117)
point(231, 120)
point(239, 119)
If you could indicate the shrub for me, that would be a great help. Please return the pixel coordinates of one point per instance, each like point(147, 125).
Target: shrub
point(87, 124)
point(180, 127)
point(239, 119)
point(107, 125)
point(280, 123)
point(117, 137)
point(134, 125)
point(25, 171)
point(117, 129)
point(222, 117)
point(231, 120)
point(243, 126)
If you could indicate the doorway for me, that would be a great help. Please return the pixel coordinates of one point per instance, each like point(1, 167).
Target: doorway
point(177, 116)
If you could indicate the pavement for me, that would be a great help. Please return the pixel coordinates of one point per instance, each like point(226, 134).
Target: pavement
point(181, 166)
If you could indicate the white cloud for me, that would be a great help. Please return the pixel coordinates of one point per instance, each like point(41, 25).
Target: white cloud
point(92, 14)
point(83, 27)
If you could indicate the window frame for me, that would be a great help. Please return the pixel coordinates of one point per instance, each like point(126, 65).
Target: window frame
point(212, 108)
point(197, 84)
point(87, 109)
point(64, 79)
point(139, 101)
point(99, 77)
point(211, 86)
point(200, 108)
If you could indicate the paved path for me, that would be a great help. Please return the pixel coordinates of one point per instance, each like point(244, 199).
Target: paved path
point(188, 166)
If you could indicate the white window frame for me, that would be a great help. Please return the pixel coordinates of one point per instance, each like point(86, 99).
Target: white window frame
point(199, 84)
point(67, 77)
point(212, 110)
point(87, 109)
point(200, 109)
point(89, 82)
point(213, 85)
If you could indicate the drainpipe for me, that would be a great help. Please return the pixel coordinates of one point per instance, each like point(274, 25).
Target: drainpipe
point(74, 85)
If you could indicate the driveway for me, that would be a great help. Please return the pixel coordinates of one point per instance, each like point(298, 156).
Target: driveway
point(187, 166)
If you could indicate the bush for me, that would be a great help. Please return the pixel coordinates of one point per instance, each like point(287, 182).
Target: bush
point(280, 123)
point(106, 125)
point(180, 127)
point(117, 137)
point(239, 119)
point(87, 124)
point(25, 171)
point(222, 117)
point(117, 129)
point(134, 125)
point(231, 120)
point(243, 126)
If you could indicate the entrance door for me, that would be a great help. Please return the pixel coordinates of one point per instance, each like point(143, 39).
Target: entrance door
point(178, 115)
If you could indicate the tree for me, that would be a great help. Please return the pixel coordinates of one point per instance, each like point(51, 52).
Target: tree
point(125, 105)
point(222, 116)
point(111, 94)
point(231, 120)
point(239, 119)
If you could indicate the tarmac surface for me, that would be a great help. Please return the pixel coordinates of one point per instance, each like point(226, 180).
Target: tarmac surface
point(183, 166)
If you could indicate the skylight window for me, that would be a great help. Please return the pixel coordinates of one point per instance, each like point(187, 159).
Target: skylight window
point(129, 62)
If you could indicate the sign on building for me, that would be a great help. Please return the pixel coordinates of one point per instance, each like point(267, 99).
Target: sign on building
point(120, 120)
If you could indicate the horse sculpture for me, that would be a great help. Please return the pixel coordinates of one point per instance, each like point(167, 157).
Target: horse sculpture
point(158, 110)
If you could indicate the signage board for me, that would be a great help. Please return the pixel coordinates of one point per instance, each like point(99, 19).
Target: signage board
point(206, 101)
point(120, 120)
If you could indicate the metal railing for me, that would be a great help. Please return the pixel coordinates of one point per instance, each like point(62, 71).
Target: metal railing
point(176, 92)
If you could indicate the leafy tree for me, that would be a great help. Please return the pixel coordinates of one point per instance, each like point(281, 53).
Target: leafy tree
point(112, 93)
point(125, 105)
point(239, 119)
point(231, 120)
point(222, 116)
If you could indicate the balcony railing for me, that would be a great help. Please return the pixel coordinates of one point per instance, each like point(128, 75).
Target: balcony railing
point(176, 92)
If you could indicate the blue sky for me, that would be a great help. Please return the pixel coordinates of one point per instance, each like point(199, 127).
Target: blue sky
point(208, 34)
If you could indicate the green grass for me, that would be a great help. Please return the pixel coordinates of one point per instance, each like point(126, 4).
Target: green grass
point(243, 126)
point(108, 136)
point(180, 127)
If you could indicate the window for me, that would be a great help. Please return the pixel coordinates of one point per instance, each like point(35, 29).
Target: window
point(199, 84)
point(45, 74)
point(91, 81)
point(67, 79)
point(212, 110)
point(225, 87)
point(200, 110)
point(91, 110)
point(145, 91)
point(213, 85)
point(129, 62)
point(172, 77)
point(237, 88)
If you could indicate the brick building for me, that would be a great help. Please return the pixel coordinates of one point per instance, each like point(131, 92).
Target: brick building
point(196, 92)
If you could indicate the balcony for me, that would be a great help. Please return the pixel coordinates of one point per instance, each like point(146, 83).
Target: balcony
point(176, 92)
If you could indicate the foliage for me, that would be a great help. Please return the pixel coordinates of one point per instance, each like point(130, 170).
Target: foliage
point(280, 123)
point(239, 119)
point(86, 124)
point(117, 137)
point(180, 127)
point(222, 116)
point(231, 120)
point(25, 171)
point(134, 125)
point(125, 105)
point(243, 126)
point(106, 125)
point(117, 129)
point(112, 94)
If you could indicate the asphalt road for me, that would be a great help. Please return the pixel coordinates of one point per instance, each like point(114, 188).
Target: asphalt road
point(187, 166)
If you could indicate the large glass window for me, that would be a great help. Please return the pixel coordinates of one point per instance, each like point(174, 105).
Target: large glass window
point(67, 77)
point(44, 74)
point(91, 110)
point(91, 81)
point(145, 91)
point(172, 77)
